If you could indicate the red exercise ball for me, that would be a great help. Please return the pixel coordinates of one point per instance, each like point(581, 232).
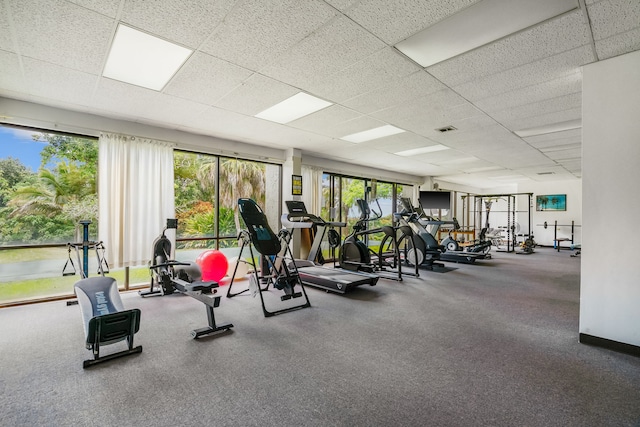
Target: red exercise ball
point(213, 264)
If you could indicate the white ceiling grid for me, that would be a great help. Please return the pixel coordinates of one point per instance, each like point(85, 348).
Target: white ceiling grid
point(251, 54)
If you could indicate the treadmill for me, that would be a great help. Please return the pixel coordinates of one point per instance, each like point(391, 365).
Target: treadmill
point(335, 280)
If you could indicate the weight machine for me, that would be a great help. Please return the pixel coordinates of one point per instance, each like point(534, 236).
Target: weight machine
point(483, 204)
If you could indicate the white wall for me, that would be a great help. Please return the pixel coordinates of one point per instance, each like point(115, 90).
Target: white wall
point(610, 284)
point(573, 190)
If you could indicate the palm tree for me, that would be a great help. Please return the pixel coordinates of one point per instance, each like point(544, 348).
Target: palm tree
point(542, 202)
point(238, 178)
point(69, 190)
point(241, 178)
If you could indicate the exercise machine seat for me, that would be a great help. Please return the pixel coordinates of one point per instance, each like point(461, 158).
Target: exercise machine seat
point(105, 320)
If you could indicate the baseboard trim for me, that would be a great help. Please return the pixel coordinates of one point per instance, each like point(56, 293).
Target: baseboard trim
point(620, 347)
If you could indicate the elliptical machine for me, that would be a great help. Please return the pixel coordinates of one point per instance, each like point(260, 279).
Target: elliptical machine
point(355, 255)
point(423, 249)
point(427, 228)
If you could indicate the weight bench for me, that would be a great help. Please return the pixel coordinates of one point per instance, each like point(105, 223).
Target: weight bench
point(105, 319)
point(559, 240)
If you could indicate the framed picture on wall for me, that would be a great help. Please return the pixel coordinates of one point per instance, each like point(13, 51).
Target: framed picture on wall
point(551, 202)
point(296, 185)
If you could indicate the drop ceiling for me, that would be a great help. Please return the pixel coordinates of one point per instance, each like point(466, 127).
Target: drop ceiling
point(251, 54)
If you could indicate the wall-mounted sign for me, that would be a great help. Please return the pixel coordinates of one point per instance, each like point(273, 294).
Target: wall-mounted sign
point(296, 185)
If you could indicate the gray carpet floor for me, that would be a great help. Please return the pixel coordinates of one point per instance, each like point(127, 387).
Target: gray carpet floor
point(491, 344)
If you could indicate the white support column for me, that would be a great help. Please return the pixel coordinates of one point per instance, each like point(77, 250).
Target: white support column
point(291, 166)
point(609, 291)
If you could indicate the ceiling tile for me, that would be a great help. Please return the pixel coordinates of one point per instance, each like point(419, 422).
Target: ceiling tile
point(6, 42)
point(571, 154)
point(553, 67)
point(206, 79)
point(171, 109)
point(332, 48)
point(571, 165)
point(414, 86)
point(395, 20)
point(214, 121)
point(618, 44)
point(11, 77)
point(38, 30)
point(400, 142)
point(173, 20)
point(123, 100)
point(543, 119)
point(358, 124)
point(56, 82)
point(567, 134)
point(562, 103)
point(105, 7)
point(256, 32)
point(342, 5)
point(612, 17)
point(565, 85)
point(256, 94)
point(378, 70)
point(426, 114)
point(327, 118)
point(560, 147)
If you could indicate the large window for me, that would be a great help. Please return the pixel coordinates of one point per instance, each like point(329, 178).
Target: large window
point(47, 186)
point(207, 189)
point(339, 195)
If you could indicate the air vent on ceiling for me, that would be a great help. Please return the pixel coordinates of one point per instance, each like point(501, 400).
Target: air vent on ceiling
point(546, 173)
point(446, 129)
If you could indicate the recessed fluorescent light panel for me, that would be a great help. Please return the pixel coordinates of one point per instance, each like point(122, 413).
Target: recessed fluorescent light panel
point(554, 127)
point(371, 134)
point(299, 105)
point(422, 150)
point(142, 59)
point(484, 22)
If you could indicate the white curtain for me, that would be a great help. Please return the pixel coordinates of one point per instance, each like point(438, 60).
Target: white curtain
point(135, 188)
point(312, 189)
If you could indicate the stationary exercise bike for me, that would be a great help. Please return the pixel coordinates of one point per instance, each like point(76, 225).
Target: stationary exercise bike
point(169, 276)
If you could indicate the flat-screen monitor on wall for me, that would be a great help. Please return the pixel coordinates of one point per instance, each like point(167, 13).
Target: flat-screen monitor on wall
point(435, 199)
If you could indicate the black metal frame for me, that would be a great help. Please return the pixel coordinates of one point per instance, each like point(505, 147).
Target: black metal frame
point(278, 267)
point(109, 328)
